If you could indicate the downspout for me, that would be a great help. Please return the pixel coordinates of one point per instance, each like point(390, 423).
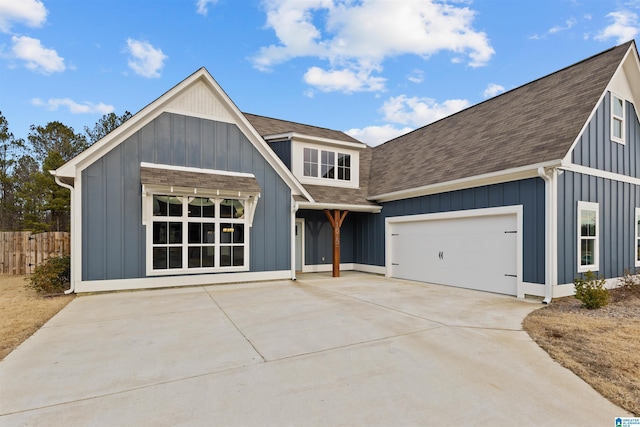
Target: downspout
point(294, 209)
point(550, 230)
point(72, 284)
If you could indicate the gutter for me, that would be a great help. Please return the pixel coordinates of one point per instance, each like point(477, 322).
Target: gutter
point(550, 230)
point(72, 287)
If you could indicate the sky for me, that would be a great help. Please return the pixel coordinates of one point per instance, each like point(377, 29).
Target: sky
point(373, 68)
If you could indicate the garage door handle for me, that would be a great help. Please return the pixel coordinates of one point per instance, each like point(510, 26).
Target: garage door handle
point(394, 263)
point(511, 275)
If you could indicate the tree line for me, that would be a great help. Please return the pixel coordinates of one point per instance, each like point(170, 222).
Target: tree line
point(30, 199)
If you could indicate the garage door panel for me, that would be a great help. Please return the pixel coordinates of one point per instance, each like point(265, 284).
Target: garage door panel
point(476, 252)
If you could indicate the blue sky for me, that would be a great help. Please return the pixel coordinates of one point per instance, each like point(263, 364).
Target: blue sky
point(373, 68)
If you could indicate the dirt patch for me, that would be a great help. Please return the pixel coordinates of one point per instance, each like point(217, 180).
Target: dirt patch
point(601, 346)
point(23, 311)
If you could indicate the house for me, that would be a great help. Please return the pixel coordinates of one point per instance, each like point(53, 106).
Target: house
point(516, 195)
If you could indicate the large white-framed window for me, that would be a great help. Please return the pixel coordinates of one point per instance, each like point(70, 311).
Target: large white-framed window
point(637, 238)
point(617, 118)
point(588, 236)
point(188, 233)
point(324, 164)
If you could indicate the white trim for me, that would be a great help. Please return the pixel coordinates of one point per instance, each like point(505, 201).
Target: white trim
point(572, 167)
point(636, 238)
point(159, 106)
point(297, 165)
point(148, 219)
point(613, 117)
point(595, 207)
point(302, 243)
point(507, 175)
point(569, 289)
point(315, 139)
point(341, 206)
point(365, 268)
point(178, 281)
point(567, 158)
point(196, 170)
point(470, 213)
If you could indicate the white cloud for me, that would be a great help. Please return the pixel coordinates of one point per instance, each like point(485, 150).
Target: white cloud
point(202, 6)
point(37, 57)
point(145, 60)
point(416, 76)
point(376, 135)
point(343, 80)
point(359, 36)
point(419, 111)
point(568, 24)
point(624, 28)
point(492, 90)
point(74, 108)
point(32, 13)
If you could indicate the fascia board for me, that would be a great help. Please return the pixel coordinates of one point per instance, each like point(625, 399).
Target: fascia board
point(316, 139)
point(524, 172)
point(341, 206)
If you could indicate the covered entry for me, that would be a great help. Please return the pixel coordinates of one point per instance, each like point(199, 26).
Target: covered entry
point(476, 249)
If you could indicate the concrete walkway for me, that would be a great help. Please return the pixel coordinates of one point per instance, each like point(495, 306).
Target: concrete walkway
point(359, 350)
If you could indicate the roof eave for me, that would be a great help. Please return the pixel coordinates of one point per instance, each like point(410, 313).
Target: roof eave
point(514, 174)
point(340, 206)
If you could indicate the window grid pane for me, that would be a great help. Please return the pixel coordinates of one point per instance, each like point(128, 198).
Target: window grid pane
point(197, 250)
point(327, 164)
point(310, 163)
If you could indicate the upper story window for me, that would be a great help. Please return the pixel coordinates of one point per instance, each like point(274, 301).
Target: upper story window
point(324, 164)
point(617, 119)
point(588, 236)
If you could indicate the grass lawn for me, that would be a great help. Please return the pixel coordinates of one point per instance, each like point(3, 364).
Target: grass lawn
point(23, 311)
point(601, 346)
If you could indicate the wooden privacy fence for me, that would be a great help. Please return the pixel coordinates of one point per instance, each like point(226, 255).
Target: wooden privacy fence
point(21, 251)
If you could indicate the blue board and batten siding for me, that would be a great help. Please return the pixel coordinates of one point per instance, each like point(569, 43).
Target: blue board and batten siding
point(617, 200)
point(363, 234)
point(113, 237)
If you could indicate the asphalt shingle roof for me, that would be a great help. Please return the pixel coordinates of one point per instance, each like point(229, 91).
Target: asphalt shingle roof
point(531, 124)
point(269, 126)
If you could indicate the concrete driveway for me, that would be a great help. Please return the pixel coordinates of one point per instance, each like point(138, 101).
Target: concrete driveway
point(359, 350)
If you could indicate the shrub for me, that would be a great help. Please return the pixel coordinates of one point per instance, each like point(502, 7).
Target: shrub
point(591, 291)
point(51, 277)
point(629, 279)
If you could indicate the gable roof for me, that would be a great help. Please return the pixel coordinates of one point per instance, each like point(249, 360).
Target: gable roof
point(200, 88)
point(267, 126)
point(532, 124)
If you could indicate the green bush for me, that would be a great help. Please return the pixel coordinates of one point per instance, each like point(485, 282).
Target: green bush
point(591, 291)
point(52, 277)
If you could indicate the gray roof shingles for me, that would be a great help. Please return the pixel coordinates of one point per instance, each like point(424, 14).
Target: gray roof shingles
point(531, 124)
point(268, 126)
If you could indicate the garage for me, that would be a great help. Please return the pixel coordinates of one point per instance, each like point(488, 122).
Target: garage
point(475, 249)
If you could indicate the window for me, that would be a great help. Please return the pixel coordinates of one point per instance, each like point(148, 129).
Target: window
point(310, 162)
point(637, 239)
point(617, 119)
point(197, 234)
point(330, 162)
point(588, 236)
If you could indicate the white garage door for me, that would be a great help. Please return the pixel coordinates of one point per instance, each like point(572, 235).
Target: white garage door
point(472, 252)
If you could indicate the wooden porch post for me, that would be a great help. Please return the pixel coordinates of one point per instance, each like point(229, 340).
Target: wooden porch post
point(336, 222)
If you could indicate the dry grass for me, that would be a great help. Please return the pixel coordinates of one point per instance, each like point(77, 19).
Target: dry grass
point(601, 346)
point(23, 311)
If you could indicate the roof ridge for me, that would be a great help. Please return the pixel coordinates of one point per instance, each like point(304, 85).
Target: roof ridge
point(628, 44)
